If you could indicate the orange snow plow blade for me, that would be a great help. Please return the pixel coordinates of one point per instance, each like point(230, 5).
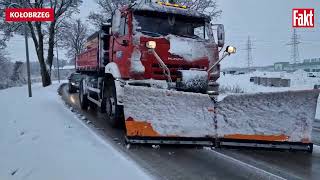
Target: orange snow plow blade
point(136, 128)
point(172, 117)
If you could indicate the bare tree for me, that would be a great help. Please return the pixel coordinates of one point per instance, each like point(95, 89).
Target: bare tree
point(209, 7)
point(73, 36)
point(43, 33)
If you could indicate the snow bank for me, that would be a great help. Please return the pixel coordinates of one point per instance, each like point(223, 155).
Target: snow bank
point(41, 139)
point(299, 81)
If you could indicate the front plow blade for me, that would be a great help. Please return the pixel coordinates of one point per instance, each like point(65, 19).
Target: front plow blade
point(152, 112)
point(279, 116)
point(158, 116)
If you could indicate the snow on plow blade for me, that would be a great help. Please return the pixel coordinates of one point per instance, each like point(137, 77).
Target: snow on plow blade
point(155, 112)
point(279, 116)
point(162, 115)
point(280, 120)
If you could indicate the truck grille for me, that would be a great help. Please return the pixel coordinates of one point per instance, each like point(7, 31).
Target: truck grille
point(157, 71)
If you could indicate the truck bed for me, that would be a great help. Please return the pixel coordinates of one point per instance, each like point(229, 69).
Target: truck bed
point(88, 60)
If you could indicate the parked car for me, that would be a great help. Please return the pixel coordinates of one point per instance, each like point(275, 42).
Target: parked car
point(74, 81)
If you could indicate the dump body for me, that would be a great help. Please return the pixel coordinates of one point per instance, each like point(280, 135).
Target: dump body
point(89, 59)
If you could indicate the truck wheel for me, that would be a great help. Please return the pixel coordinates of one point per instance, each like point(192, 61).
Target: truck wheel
point(114, 112)
point(83, 97)
point(71, 89)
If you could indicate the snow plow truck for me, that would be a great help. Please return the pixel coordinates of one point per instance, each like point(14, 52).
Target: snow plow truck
point(153, 70)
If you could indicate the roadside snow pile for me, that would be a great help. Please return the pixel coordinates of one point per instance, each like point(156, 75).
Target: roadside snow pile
point(299, 81)
point(41, 139)
point(171, 113)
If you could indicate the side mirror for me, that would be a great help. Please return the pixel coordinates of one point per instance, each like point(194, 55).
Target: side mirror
point(220, 35)
point(116, 18)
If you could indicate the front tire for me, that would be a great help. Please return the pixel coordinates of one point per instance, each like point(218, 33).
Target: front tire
point(84, 103)
point(114, 112)
point(71, 89)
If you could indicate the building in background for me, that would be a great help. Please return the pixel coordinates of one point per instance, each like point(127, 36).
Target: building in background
point(281, 66)
point(308, 65)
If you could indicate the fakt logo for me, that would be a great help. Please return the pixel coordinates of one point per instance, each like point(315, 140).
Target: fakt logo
point(303, 18)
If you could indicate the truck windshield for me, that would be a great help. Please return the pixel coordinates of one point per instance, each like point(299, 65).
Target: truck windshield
point(164, 25)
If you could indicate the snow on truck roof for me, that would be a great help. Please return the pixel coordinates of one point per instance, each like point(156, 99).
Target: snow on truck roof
point(170, 9)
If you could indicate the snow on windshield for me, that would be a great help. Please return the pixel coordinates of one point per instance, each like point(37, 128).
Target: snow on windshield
point(162, 25)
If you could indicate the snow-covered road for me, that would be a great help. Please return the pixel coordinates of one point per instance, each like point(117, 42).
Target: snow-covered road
point(41, 139)
point(181, 163)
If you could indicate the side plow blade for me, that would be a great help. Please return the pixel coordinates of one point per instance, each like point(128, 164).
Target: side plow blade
point(267, 120)
point(280, 116)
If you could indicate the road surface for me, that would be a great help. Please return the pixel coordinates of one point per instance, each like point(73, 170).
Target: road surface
point(185, 163)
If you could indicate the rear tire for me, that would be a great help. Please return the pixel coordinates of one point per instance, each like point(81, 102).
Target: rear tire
point(84, 103)
point(114, 112)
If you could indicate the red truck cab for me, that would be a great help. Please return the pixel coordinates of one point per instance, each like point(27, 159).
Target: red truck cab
point(184, 40)
point(176, 33)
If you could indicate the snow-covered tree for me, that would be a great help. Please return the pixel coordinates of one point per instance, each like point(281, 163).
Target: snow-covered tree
point(209, 7)
point(18, 76)
point(5, 70)
point(43, 34)
point(73, 36)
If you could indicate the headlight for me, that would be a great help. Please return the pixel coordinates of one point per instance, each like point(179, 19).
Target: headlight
point(151, 44)
point(73, 84)
point(231, 50)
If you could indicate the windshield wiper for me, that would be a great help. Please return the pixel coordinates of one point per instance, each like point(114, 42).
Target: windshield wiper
point(151, 33)
point(187, 36)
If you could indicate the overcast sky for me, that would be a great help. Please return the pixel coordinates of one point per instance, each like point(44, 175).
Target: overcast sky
point(267, 22)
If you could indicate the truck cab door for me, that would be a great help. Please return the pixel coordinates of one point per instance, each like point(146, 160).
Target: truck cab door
point(121, 45)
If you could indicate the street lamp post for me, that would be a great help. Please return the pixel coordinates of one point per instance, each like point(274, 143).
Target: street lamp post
point(27, 58)
point(58, 66)
point(27, 50)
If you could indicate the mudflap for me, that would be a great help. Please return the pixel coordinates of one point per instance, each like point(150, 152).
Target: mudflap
point(264, 121)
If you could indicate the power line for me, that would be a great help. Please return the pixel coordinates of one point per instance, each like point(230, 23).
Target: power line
point(249, 53)
point(295, 41)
